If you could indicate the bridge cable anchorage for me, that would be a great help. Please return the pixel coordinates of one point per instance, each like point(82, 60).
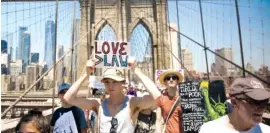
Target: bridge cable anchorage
point(255, 76)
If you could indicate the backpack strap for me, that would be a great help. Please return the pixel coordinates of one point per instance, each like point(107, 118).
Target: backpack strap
point(171, 111)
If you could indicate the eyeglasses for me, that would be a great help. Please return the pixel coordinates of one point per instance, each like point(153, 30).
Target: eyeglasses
point(254, 102)
point(114, 124)
point(174, 77)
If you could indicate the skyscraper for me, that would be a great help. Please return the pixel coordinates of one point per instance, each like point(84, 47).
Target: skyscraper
point(76, 39)
point(173, 40)
point(4, 46)
point(188, 59)
point(20, 43)
point(60, 51)
point(223, 67)
point(5, 62)
point(26, 42)
point(33, 72)
point(34, 57)
point(49, 43)
point(11, 53)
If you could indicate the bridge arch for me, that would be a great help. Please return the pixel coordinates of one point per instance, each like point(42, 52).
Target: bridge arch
point(146, 25)
point(102, 24)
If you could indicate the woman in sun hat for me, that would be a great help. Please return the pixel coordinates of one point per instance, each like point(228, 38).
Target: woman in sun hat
point(118, 112)
point(170, 79)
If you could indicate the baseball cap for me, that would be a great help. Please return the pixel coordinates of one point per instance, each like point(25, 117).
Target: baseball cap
point(63, 86)
point(113, 73)
point(250, 87)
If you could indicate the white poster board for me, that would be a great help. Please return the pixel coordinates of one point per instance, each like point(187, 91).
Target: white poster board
point(95, 82)
point(112, 54)
point(65, 124)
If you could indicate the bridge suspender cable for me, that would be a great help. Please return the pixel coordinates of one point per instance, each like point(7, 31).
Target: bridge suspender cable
point(204, 43)
point(243, 69)
point(42, 76)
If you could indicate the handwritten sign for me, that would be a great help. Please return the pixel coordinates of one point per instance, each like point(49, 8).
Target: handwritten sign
point(66, 124)
point(112, 54)
point(192, 103)
point(201, 102)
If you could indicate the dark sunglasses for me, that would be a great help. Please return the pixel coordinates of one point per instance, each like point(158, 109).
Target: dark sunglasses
point(174, 77)
point(114, 124)
point(254, 102)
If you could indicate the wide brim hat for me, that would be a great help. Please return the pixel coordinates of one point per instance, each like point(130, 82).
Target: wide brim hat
point(170, 72)
point(113, 73)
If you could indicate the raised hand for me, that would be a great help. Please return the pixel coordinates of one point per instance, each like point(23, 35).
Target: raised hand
point(90, 65)
point(132, 63)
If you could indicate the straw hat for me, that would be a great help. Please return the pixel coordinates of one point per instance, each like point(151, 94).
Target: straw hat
point(170, 72)
point(113, 73)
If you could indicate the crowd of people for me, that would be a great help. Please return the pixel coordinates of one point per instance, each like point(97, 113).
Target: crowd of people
point(148, 110)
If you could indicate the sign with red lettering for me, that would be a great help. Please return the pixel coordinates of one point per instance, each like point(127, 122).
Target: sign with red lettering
point(112, 54)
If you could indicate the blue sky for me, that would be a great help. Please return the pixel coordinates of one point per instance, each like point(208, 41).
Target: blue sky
point(221, 29)
point(34, 16)
point(219, 21)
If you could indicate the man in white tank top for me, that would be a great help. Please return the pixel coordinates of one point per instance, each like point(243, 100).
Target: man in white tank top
point(118, 113)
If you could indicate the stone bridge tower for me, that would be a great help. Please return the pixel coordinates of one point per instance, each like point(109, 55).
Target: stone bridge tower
point(123, 16)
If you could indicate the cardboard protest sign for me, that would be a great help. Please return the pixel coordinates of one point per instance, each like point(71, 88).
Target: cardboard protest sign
point(112, 54)
point(201, 102)
point(66, 124)
point(95, 82)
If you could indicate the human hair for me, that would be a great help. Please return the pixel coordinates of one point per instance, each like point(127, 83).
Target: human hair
point(35, 117)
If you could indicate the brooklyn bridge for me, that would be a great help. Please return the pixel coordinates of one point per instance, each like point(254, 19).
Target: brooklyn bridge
point(47, 42)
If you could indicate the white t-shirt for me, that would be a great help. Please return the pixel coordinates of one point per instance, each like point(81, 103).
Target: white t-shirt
point(219, 126)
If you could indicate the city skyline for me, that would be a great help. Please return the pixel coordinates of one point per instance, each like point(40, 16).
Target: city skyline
point(225, 13)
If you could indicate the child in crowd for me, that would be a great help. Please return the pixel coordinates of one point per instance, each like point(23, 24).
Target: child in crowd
point(33, 122)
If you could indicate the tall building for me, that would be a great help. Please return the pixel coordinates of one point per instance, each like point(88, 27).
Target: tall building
point(76, 39)
point(11, 53)
point(223, 67)
point(33, 72)
point(60, 65)
point(60, 51)
point(173, 40)
point(5, 63)
point(4, 46)
point(34, 57)
point(188, 59)
point(47, 83)
point(26, 42)
point(5, 83)
point(19, 83)
point(20, 47)
point(49, 43)
point(16, 68)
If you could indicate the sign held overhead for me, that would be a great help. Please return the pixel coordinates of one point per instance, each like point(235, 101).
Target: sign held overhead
point(112, 54)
